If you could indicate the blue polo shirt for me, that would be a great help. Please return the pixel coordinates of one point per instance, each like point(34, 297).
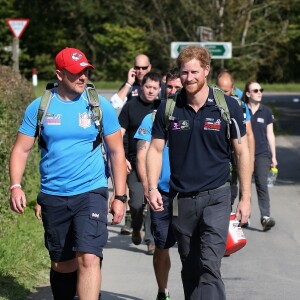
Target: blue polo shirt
point(198, 146)
point(71, 163)
point(259, 121)
point(144, 133)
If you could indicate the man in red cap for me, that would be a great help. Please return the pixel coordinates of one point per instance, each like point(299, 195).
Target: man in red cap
point(74, 187)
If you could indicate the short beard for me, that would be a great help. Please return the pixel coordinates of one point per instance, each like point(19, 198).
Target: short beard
point(195, 90)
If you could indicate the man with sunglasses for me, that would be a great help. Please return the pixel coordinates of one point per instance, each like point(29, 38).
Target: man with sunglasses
point(132, 87)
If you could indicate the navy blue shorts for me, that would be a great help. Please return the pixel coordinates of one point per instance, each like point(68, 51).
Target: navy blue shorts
point(161, 225)
point(75, 223)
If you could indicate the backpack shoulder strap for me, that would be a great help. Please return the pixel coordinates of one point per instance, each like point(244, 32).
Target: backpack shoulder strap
point(170, 105)
point(225, 114)
point(43, 108)
point(153, 115)
point(94, 103)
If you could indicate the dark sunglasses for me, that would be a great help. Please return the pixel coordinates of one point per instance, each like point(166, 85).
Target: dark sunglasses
point(255, 91)
point(138, 68)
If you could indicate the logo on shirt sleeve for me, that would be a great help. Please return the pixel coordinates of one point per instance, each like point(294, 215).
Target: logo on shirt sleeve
point(142, 131)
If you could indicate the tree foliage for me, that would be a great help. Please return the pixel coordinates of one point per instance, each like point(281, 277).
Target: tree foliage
point(264, 34)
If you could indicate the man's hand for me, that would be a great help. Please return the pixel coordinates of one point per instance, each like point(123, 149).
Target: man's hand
point(243, 211)
point(155, 201)
point(17, 200)
point(38, 212)
point(117, 209)
point(128, 166)
point(131, 76)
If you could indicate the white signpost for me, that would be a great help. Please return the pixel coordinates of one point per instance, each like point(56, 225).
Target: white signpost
point(218, 50)
point(17, 27)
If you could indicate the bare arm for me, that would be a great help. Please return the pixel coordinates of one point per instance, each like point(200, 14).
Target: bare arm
point(251, 143)
point(118, 165)
point(271, 140)
point(243, 209)
point(128, 164)
point(154, 165)
point(124, 90)
point(142, 149)
point(17, 164)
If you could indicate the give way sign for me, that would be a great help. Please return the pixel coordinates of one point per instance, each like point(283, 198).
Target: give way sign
point(17, 26)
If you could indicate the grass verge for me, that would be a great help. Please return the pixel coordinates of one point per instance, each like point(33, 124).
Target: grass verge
point(24, 261)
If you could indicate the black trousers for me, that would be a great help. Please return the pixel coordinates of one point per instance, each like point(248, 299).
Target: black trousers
point(201, 230)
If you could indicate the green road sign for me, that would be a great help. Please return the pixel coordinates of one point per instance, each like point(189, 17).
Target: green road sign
point(218, 50)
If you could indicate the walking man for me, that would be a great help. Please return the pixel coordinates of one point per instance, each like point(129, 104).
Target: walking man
point(199, 152)
point(226, 83)
point(130, 119)
point(74, 187)
point(160, 220)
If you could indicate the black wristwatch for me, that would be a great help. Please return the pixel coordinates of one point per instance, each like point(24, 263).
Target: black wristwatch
point(122, 198)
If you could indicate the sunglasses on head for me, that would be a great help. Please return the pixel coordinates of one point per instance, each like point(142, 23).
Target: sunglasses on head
point(138, 68)
point(255, 91)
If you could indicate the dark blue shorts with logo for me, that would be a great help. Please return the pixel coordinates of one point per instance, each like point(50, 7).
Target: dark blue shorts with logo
point(161, 225)
point(74, 223)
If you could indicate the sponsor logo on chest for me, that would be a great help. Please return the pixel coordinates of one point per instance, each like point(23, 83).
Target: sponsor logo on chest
point(85, 120)
point(180, 125)
point(260, 120)
point(52, 119)
point(135, 93)
point(212, 124)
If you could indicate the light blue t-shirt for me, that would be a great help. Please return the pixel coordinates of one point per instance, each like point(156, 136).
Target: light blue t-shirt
point(72, 162)
point(245, 108)
point(144, 133)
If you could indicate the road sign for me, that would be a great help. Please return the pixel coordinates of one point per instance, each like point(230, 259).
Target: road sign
point(218, 50)
point(17, 26)
point(206, 34)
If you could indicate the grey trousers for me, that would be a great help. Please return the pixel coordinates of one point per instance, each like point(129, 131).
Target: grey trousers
point(201, 230)
point(261, 170)
point(136, 204)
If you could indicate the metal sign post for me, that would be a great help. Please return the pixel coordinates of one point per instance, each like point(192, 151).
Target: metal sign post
point(17, 27)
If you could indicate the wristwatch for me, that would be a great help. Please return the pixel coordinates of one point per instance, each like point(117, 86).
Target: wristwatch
point(122, 198)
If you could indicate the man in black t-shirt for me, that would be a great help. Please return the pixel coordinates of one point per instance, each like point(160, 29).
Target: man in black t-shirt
point(130, 119)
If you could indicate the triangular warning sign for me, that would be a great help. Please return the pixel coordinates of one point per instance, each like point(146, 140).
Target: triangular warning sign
point(17, 26)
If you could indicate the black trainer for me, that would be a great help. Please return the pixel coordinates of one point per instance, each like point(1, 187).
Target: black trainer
point(267, 223)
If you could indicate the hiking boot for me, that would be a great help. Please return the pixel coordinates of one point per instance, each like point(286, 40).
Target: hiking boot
point(136, 237)
point(267, 223)
point(163, 296)
point(151, 248)
point(126, 228)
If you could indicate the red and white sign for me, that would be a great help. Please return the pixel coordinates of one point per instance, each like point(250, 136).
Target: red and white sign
point(17, 26)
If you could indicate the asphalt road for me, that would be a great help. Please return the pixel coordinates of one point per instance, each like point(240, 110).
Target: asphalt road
point(268, 267)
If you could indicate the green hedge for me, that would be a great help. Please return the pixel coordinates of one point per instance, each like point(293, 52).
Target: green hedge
point(23, 257)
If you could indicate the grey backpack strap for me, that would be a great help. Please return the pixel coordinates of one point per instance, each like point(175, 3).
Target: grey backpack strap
point(170, 105)
point(225, 114)
point(43, 108)
point(94, 103)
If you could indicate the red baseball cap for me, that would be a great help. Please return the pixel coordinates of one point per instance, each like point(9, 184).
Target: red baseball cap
point(73, 60)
